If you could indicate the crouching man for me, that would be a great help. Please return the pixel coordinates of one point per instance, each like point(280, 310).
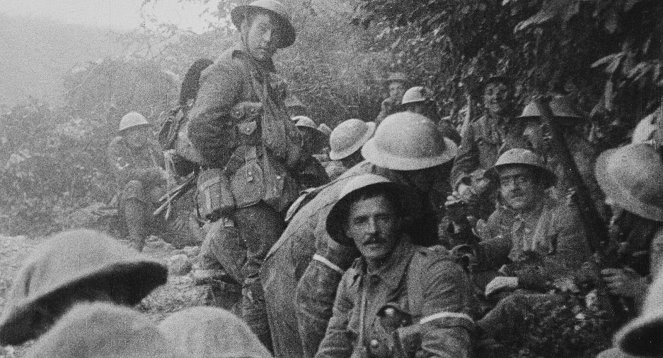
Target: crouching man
point(397, 299)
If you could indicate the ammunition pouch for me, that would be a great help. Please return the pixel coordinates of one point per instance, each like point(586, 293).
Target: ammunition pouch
point(247, 183)
point(214, 196)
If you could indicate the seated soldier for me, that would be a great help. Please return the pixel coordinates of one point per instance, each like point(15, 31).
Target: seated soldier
point(138, 164)
point(397, 299)
point(312, 173)
point(629, 177)
point(346, 141)
point(544, 246)
point(69, 268)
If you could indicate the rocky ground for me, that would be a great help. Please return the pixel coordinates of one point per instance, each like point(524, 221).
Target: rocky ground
point(178, 293)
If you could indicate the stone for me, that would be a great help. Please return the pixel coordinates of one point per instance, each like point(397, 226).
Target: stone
point(191, 251)
point(179, 265)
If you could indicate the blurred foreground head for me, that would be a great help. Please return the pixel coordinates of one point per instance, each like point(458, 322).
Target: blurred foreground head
point(101, 330)
point(207, 332)
point(72, 267)
point(643, 336)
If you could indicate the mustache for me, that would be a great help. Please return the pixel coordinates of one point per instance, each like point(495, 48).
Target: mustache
point(374, 239)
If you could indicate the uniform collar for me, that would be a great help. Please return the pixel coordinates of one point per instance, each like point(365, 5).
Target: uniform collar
point(394, 269)
point(239, 51)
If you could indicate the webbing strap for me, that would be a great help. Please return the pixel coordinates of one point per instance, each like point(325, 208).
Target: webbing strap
point(328, 263)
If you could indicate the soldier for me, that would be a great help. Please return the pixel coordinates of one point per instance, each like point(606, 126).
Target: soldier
point(536, 135)
point(346, 141)
point(313, 139)
point(418, 100)
point(69, 268)
point(306, 251)
point(251, 152)
point(395, 83)
point(545, 244)
point(626, 175)
point(395, 288)
point(138, 164)
point(483, 140)
point(642, 336)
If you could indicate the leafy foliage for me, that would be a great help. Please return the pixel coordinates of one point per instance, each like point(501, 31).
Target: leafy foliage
point(545, 45)
point(53, 159)
point(570, 328)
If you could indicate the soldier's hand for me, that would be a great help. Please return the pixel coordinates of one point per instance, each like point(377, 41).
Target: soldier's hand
point(466, 193)
point(455, 208)
point(624, 282)
point(501, 283)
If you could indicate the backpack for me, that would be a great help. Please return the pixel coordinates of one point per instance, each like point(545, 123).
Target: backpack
point(173, 135)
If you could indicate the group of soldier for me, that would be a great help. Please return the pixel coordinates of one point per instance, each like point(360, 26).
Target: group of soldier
point(399, 237)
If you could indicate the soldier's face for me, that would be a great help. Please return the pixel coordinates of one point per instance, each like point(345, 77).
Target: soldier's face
point(261, 36)
point(496, 97)
point(373, 225)
point(396, 91)
point(537, 136)
point(519, 188)
point(137, 137)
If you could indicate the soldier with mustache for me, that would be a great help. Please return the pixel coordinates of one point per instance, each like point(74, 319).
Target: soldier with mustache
point(397, 299)
point(540, 251)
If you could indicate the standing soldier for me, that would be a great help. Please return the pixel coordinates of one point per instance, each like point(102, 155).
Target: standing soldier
point(396, 83)
point(251, 151)
point(406, 149)
point(138, 164)
point(398, 299)
point(536, 135)
point(482, 142)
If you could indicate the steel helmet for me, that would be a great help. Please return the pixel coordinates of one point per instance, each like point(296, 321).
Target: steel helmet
point(641, 337)
point(560, 106)
point(526, 157)
point(348, 137)
point(631, 176)
point(415, 95)
point(408, 199)
point(408, 141)
point(275, 8)
point(325, 129)
point(132, 119)
point(304, 121)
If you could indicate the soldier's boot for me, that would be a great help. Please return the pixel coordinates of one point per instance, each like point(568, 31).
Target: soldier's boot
point(135, 212)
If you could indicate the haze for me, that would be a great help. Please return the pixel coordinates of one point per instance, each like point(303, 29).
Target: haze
point(119, 15)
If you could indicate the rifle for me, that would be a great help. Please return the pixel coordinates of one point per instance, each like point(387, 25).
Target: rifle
point(174, 194)
point(595, 229)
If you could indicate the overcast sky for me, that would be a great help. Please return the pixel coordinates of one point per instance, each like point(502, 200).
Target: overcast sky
point(114, 14)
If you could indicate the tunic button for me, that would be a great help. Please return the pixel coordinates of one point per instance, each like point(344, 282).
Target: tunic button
point(374, 343)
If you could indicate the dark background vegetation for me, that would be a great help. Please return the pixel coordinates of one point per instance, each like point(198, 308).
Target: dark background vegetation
point(64, 89)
